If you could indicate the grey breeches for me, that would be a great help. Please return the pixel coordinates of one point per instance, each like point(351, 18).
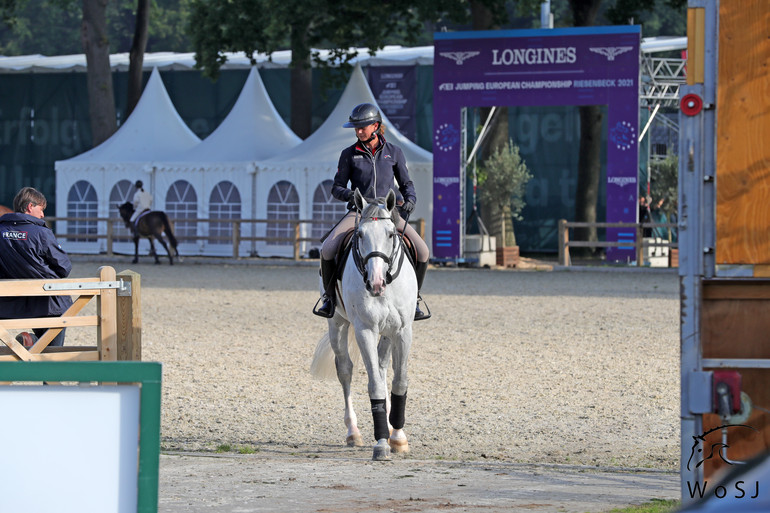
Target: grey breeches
point(348, 223)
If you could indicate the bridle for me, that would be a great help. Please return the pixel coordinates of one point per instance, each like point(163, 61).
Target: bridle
point(396, 251)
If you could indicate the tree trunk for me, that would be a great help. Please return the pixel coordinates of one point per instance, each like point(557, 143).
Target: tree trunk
point(301, 84)
point(96, 46)
point(136, 55)
point(589, 165)
point(589, 170)
point(497, 138)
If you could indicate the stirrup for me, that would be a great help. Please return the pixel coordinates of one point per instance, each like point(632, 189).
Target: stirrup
point(419, 315)
point(329, 313)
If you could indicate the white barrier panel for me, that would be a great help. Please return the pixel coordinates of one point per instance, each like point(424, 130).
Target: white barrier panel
point(69, 449)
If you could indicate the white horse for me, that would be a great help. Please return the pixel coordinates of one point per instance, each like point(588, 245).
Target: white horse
point(377, 295)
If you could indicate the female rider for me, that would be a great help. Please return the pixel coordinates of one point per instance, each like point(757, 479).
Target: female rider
point(370, 165)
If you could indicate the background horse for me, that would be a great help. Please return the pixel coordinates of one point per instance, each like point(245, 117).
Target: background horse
point(151, 225)
point(4, 210)
point(377, 295)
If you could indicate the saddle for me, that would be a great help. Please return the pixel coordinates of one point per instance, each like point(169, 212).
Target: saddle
point(141, 215)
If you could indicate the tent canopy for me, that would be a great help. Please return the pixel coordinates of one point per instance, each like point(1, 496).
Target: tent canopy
point(253, 130)
point(153, 131)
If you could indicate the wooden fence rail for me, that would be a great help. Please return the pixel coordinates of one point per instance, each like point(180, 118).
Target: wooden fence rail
point(235, 239)
point(640, 243)
point(117, 320)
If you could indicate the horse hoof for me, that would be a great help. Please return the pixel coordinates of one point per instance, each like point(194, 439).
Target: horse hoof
point(354, 440)
point(398, 445)
point(135, 260)
point(381, 451)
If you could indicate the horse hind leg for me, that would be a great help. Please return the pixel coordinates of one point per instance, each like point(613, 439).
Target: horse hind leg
point(168, 250)
point(152, 250)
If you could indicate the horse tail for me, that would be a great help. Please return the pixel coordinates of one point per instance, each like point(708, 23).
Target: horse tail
point(169, 233)
point(323, 366)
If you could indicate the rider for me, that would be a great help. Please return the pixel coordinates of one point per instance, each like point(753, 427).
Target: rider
point(370, 165)
point(142, 201)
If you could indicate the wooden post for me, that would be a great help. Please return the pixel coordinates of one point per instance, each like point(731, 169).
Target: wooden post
point(129, 317)
point(563, 234)
point(107, 330)
point(296, 240)
point(110, 236)
point(639, 246)
point(236, 238)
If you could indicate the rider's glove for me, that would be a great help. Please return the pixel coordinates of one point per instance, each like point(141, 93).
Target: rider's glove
point(407, 207)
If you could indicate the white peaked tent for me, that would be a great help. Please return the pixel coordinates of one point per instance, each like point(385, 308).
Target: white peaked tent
point(221, 169)
point(88, 183)
point(315, 160)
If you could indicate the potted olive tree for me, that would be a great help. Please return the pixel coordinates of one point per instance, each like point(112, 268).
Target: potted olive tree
point(502, 183)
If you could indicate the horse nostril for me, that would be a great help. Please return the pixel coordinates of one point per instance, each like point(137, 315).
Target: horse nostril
point(368, 285)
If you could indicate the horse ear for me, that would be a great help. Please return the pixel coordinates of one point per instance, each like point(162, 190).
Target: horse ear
point(358, 199)
point(390, 200)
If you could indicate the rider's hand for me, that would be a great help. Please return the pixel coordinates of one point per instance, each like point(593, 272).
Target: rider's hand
point(407, 207)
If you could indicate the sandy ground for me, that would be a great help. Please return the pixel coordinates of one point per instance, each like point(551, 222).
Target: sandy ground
point(576, 368)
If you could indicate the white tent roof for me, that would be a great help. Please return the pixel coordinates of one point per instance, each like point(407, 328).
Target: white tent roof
point(153, 131)
point(322, 149)
point(253, 130)
point(388, 56)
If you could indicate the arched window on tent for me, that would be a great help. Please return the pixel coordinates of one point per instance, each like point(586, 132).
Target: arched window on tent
point(121, 192)
point(282, 203)
point(182, 203)
point(326, 209)
point(82, 201)
point(224, 203)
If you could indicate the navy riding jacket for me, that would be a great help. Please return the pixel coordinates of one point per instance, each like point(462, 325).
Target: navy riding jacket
point(29, 251)
point(373, 174)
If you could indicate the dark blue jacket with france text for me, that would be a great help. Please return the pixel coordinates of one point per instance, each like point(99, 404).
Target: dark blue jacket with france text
point(29, 251)
point(373, 174)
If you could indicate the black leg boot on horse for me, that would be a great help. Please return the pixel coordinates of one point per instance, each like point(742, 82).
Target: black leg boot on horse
point(420, 268)
point(328, 271)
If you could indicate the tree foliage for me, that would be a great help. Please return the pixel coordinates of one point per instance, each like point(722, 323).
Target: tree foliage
point(52, 27)
point(502, 184)
point(664, 182)
point(300, 25)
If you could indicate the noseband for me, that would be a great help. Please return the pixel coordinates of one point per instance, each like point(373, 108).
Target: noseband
point(361, 260)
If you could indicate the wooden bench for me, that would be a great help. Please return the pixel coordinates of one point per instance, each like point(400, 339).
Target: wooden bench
point(117, 320)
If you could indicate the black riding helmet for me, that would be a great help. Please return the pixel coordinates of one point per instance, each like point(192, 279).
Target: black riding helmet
point(138, 184)
point(363, 115)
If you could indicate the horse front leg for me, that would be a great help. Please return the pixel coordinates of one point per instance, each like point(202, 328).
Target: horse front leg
point(338, 339)
point(378, 391)
point(397, 416)
point(136, 249)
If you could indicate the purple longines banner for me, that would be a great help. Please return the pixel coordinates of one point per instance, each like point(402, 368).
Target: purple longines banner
point(395, 89)
point(570, 66)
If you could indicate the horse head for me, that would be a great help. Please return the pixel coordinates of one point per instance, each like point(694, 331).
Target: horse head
point(126, 211)
point(376, 241)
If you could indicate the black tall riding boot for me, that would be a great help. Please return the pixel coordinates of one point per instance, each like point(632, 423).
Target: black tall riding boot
point(328, 268)
point(420, 268)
